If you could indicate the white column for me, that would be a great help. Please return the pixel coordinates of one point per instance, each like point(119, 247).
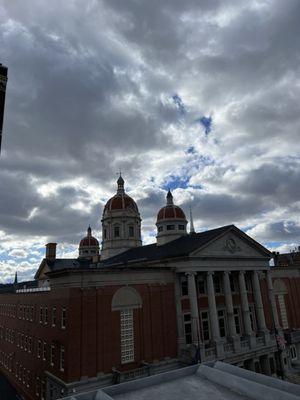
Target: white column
point(193, 307)
point(213, 315)
point(272, 299)
point(229, 304)
point(179, 315)
point(245, 304)
point(261, 322)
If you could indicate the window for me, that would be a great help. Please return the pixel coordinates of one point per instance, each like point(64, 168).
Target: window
point(46, 315)
point(62, 358)
point(41, 315)
point(232, 283)
point(116, 231)
point(181, 227)
point(237, 320)
point(105, 233)
point(170, 227)
point(252, 317)
point(44, 351)
point(248, 283)
point(63, 318)
point(160, 228)
point(39, 349)
point(218, 284)
point(187, 328)
point(131, 231)
point(31, 313)
point(184, 286)
point(222, 323)
point(53, 317)
point(127, 335)
point(201, 285)
point(293, 352)
point(205, 325)
point(282, 308)
point(52, 354)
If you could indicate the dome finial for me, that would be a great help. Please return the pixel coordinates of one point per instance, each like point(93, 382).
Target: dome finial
point(120, 183)
point(169, 198)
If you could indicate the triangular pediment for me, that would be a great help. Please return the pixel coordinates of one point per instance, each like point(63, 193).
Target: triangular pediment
point(42, 270)
point(232, 243)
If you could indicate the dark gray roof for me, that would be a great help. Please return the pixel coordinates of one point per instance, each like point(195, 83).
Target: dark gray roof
point(180, 247)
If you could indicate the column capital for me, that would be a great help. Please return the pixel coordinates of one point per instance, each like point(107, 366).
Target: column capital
point(242, 272)
point(227, 272)
point(210, 273)
point(191, 273)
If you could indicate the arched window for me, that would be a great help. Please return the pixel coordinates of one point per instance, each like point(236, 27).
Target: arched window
point(126, 300)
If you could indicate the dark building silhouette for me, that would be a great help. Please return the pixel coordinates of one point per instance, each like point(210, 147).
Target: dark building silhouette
point(3, 80)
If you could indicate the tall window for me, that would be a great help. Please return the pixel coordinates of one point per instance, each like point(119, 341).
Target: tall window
point(205, 325)
point(44, 351)
point(184, 286)
point(232, 283)
point(127, 335)
point(53, 317)
point(41, 315)
point(105, 233)
point(131, 231)
point(116, 231)
point(252, 317)
point(46, 315)
point(218, 284)
point(52, 354)
point(187, 328)
point(237, 320)
point(62, 358)
point(63, 318)
point(284, 319)
point(201, 285)
point(222, 322)
point(39, 348)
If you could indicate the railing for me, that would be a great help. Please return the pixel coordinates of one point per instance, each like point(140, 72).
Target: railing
point(37, 289)
point(245, 343)
point(210, 352)
point(119, 376)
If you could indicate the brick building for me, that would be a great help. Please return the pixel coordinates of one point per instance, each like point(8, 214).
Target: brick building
point(137, 310)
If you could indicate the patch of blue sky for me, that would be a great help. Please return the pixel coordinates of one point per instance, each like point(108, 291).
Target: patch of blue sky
point(273, 245)
point(175, 182)
point(206, 123)
point(179, 104)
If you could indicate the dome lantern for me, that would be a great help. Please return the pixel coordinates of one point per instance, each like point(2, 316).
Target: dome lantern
point(88, 246)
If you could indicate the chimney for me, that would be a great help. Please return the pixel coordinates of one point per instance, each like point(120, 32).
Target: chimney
point(51, 251)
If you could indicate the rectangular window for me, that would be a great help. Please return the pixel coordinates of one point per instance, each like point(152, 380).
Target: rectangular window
point(201, 285)
point(39, 349)
point(222, 322)
point(232, 283)
point(218, 285)
point(116, 231)
point(46, 315)
point(248, 284)
point(293, 352)
point(131, 231)
point(170, 227)
point(181, 227)
point(127, 335)
point(62, 358)
point(187, 328)
point(53, 316)
point(252, 317)
point(52, 354)
point(205, 325)
point(184, 286)
point(41, 315)
point(282, 308)
point(44, 351)
point(63, 318)
point(237, 320)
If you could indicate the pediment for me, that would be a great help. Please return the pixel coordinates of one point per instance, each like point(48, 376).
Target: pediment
point(42, 270)
point(233, 243)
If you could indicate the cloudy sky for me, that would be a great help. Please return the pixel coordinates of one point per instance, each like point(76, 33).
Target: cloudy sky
point(200, 96)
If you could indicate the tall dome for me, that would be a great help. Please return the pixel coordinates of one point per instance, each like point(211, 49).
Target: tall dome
point(88, 246)
point(171, 222)
point(121, 223)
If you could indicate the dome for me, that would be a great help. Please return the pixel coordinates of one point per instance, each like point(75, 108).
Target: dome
point(170, 211)
point(89, 240)
point(120, 202)
point(89, 245)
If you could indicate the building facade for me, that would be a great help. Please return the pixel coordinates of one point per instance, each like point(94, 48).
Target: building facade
point(137, 310)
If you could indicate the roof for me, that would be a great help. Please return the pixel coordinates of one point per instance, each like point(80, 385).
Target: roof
point(287, 259)
point(170, 212)
point(180, 247)
point(120, 201)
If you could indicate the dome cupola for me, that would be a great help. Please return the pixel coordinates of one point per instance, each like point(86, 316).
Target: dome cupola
point(171, 222)
point(89, 245)
point(121, 223)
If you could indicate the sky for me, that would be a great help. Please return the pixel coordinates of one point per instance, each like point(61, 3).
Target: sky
point(199, 96)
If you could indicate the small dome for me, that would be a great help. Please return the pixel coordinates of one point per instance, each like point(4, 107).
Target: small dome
point(89, 240)
point(170, 211)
